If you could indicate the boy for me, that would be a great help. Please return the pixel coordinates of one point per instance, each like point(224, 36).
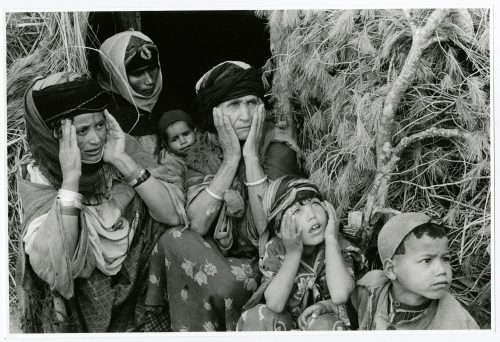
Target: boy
point(412, 290)
point(303, 234)
point(175, 129)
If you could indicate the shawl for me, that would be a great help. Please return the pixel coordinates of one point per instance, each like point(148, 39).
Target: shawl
point(114, 75)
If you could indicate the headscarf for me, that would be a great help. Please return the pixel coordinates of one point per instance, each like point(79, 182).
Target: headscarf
point(225, 81)
point(281, 194)
point(137, 50)
point(71, 94)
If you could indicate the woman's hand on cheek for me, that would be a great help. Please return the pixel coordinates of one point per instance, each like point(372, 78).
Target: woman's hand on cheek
point(115, 139)
point(332, 227)
point(251, 147)
point(69, 152)
point(291, 235)
point(227, 137)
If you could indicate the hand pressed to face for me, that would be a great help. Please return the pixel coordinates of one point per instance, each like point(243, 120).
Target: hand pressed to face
point(423, 272)
point(312, 218)
point(291, 234)
point(69, 153)
point(251, 147)
point(91, 135)
point(227, 136)
point(240, 112)
point(143, 81)
point(115, 139)
point(332, 227)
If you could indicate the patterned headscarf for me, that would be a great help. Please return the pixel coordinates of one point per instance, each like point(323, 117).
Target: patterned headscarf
point(225, 81)
point(120, 53)
point(282, 193)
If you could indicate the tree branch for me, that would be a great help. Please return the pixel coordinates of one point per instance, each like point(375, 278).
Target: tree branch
point(420, 42)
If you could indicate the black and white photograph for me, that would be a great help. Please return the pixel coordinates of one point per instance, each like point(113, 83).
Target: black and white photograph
point(308, 170)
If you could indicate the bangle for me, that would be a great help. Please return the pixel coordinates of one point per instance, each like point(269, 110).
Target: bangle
point(134, 175)
point(69, 198)
point(257, 182)
point(143, 176)
point(70, 211)
point(213, 194)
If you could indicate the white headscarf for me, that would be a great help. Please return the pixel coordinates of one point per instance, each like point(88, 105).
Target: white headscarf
point(112, 58)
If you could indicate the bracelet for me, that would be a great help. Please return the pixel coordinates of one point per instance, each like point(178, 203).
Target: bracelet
point(133, 175)
point(257, 182)
point(70, 211)
point(69, 198)
point(213, 194)
point(143, 176)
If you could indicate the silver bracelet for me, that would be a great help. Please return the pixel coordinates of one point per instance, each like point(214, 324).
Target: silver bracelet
point(213, 194)
point(257, 182)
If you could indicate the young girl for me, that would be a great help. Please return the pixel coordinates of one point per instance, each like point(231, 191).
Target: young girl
point(303, 233)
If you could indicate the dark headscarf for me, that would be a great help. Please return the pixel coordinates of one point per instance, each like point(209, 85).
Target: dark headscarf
point(59, 96)
point(226, 81)
point(140, 54)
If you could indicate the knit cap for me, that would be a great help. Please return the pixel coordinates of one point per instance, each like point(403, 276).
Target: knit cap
point(395, 230)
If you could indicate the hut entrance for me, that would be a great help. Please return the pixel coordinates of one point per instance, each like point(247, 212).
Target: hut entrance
point(189, 42)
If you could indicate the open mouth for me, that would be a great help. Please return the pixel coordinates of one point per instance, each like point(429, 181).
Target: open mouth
point(93, 152)
point(315, 228)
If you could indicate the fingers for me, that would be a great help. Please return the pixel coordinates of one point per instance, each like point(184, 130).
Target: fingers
point(65, 132)
point(111, 122)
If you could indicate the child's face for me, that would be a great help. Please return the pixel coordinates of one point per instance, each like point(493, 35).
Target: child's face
point(312, 218)
point(424, 271)
point(179, 137)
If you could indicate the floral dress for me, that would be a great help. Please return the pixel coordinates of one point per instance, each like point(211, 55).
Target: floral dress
point(205, 281)
point(309, 288)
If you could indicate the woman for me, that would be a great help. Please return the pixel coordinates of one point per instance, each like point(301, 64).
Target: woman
point(131, 72)
point(92, 200)
point(211, 270)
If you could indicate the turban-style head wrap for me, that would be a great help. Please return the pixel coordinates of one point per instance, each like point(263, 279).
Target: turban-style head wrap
point(61, 96)
point(283, 193)
point(226, 81)
point(123, 53)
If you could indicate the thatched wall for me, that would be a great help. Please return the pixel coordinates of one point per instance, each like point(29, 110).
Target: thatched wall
point(387, 121)
point(392, 110)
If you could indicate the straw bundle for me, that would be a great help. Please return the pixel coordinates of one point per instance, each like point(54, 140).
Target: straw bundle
point(392, 112)
point(38, 44)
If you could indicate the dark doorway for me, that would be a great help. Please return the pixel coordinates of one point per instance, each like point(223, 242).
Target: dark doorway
point(190, 42)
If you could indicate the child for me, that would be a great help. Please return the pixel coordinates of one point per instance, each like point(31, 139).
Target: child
point(303, 233)
point(412, 290)
point(175, 129)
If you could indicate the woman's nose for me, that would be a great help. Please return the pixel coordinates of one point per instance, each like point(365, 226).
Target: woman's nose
point(93, 137)
point(245, 112)
point(309, 212)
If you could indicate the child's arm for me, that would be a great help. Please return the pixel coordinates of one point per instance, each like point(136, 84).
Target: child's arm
point(279, 289)
point(340, 283)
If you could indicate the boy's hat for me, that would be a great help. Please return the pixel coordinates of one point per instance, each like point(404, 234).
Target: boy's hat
point(395, 230)
point(172, 116)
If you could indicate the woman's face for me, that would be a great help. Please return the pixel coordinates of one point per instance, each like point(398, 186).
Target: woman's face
point(90, 135)
point(240, 112)
point(143, 81)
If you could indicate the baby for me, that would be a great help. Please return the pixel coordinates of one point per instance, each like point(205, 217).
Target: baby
point(412, 290)
point(303, 234)
point(175, 129)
